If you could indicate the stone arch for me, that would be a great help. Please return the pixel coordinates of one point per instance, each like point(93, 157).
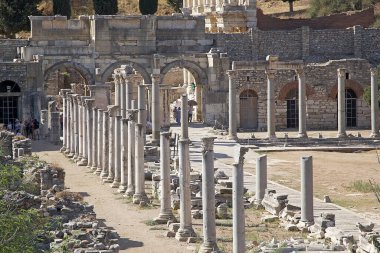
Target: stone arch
point(350, 84)
point(82, 70)
point(140, 69)
point(198, 73)
point(290, 86)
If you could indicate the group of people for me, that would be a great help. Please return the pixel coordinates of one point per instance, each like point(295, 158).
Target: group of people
point(28, 128)
point(177, 114)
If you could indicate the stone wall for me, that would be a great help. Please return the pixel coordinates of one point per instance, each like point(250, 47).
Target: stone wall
point(8, 48)
point(6, 143)
point(364, 18)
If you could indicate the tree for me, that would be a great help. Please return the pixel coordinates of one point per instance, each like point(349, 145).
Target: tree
point(105, 7)
point(175, 4)
point(148, 7)
point(62, 7)
point(14, 15)
point(327, 7)
point(290, 6)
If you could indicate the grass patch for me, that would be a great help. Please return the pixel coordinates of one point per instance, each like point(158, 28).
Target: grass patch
point(224, 223)
point(150, 223)
point(363, 186)
point(158, 228)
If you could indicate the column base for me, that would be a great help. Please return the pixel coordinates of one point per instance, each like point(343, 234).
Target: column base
point(209, 247)
point(82, 162)
point(305, 224)
point(139, 197)
point(302, 135)
point(183, 234)
point(98, 171)
point(70, 155)
point(232, 137)
point(108, 180)
point(163, 218)
point(122, 188)
point(129, 192)
point(115, 183)
point(374, 135)
point(272, 137)
point(341, 135)
point(93, 168)
point(63, 149)
point(74, 157)
point(103, 175)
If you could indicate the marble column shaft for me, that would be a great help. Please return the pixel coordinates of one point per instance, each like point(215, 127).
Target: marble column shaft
point(238, 216)
point(140, 194)
point(307, 213)
point(166, 213)
point(111, 143)
point(95, 144)
point(69, 125)
point(100, 142)
point(124, 156)
point(131, 116)
point(271, 120)
point(123, 99)
point(208, 196)
point(141, 107)
point(80, 129)
point(117, 151)
point(232, 130)
point(105, 145)
point(261, 178)
point(156, 118)
point(89, 125)
point(374, 103)
point(76, 127)
point(184, 116)
point(341, 103)
point(301, 104)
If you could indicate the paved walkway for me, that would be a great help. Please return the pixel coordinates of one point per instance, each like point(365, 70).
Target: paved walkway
point(345, 219)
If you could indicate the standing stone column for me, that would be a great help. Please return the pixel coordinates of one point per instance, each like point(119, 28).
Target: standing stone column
point(341, 103)
point(85, 119)
point(307, 215)
point(64, 96)
point(105, 149)
point(94, 148)
point(374, 104)
point(141, 107)
point(87, 133)
point(128, 91)
point(69, 125)
point(186, 229)
point(166, 213)
point(124, 156)
point(156, 119)
point(261, 178)
point(80, 136)
point(117, 88)
point(123, 98)
point(111, 143)
point(301, 104)
point(99, 143)
point(237, 202)
point(232, 131)
point(131, 117)
point(208, 196)
point(271, 121)
point(117, 164)
point(75, 127)
point(140, 195)
point(55, 128)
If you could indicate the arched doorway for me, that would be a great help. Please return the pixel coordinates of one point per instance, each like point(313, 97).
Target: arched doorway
point(248, 109)
point(350, 108)
point(350, 102)
point(9, 100)
point(292, 109)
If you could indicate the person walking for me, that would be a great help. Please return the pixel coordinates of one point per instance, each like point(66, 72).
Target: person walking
point(190, 112)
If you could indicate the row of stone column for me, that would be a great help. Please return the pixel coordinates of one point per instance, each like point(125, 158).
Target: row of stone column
point(204, 6)
point(302, 133)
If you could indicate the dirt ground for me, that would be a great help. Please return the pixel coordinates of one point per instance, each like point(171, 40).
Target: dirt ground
point(334, 174)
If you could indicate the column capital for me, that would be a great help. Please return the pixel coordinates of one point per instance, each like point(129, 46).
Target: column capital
point(300, 72)
point(156, 78)
point(82, 100)
point(64, 92)
point(132, 114)
point(239, 154)
point(232, 73)
point(165, 134)
point(341, 72)
point(100, 110)
point(126, 71)
point(374, 71)
point(112, 110)
point(208, 143)
point(270, 73)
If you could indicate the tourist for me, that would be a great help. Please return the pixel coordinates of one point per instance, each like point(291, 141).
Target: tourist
point(175, 113)
point(17, 126)
point(178, 115)
point(10, 127)
point(190, 119)
point(36, 131)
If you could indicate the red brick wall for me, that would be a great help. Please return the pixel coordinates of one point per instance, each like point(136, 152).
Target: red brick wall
point(337, 21)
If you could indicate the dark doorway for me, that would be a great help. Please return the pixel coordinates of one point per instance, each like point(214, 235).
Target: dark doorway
point(9, 95)
point(292, 109)
point(248, 109)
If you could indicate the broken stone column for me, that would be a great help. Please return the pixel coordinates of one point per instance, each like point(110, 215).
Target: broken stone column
point(124, 156)
point(166, 213)
point(307, 214)
point(374, 104)
point(55, 128)
point(94, 148)
point(301, 104)
point(237, 201)
point(232, 131)
point(105, 146)
point(156, 119)
point(261, 178)
point(186, 229)
point(99, 142)
point(112, 110)
point(271, 121)
point(341, 103)
point(117, 150)
point(140, 195)
point(44, 124)
point(131, 116)
point(208, 196)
